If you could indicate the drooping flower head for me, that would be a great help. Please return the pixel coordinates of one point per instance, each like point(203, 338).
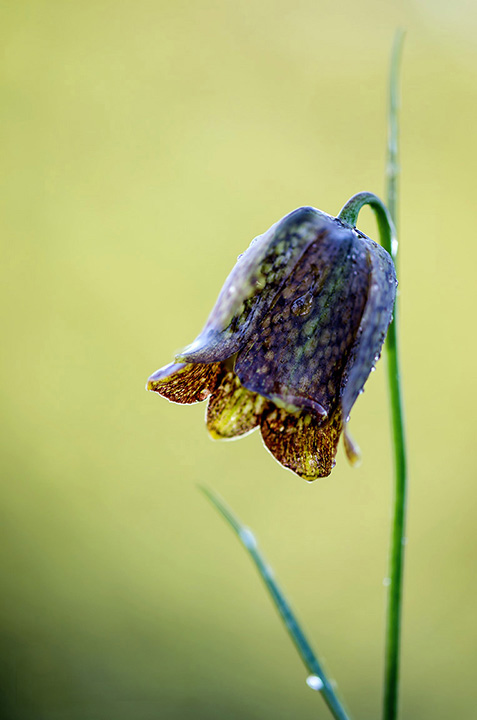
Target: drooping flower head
point(295, 332)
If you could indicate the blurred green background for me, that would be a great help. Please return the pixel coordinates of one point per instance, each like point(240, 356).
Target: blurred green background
point(144, 144)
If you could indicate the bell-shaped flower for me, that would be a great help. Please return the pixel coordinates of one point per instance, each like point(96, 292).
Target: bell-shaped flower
point(291, 340)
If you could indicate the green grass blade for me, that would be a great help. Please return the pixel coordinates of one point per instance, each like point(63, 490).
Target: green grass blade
point(392, 165)
point(318, 679)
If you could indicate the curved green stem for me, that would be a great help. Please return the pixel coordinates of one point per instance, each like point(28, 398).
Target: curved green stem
point(387, 232)
point(396, 559)
point(386, 219)
point(349, 215)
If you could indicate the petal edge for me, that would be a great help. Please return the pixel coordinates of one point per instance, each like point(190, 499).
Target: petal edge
point(300, 443)
point(185, 383)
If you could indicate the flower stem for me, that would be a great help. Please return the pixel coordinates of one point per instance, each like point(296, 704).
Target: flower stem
point(386, 224)
point(387, 232)
point(319, 679)
point(396, 559)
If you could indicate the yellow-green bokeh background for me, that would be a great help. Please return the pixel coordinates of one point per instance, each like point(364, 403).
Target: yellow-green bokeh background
point(143, 145)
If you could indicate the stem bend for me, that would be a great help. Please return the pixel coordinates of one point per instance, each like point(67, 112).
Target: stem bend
point(350, 211)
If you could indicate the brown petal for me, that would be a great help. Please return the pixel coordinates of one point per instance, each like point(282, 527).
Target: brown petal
point(233, 410)
point(300, 443)
point(185, 383)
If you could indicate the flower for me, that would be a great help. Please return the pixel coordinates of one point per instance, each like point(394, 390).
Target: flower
point(294, 334)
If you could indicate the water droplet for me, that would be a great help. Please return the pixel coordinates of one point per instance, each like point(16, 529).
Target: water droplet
point(387, 582)
point(373, 368)
point(248, 538)
point(314, 682)
point(394, 246)
point(303, 305)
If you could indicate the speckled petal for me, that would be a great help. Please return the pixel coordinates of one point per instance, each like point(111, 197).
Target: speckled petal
point(297, 356)
point(300, 443)
point(250, 290)
point(233, 411)
point(185, 383)
point(374, 324)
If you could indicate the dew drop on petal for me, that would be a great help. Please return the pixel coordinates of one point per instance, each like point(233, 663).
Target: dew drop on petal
point(314, 682)
point(303, 305)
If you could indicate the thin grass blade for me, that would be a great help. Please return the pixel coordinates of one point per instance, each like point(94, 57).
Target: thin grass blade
point(319, 679)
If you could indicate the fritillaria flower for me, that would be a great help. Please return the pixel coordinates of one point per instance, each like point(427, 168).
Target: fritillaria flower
point(294, 334)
